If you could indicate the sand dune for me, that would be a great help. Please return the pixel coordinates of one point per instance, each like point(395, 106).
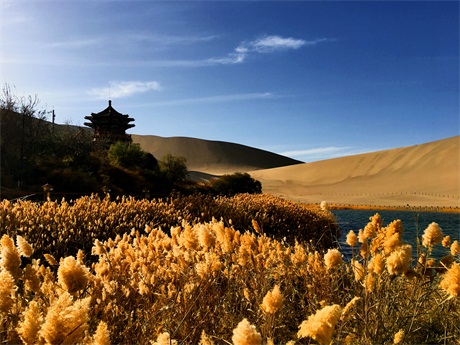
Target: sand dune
point(421, 175)
point(212, 157)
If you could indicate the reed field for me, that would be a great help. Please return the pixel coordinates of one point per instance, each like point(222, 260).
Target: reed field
point(243, 270)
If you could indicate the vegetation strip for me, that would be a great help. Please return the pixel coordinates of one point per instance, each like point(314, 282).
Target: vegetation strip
point(210, 282)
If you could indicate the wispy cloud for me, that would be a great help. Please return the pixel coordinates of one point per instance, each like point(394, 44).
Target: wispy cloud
point(132, 39)
point(76, 43)
point(123, 89)
point(216, 99)
point(18, 19)
point(321, 153)
point(146, 37)
point(12, 14)
point(264, 45)
point(317, 151)
point(232, 58)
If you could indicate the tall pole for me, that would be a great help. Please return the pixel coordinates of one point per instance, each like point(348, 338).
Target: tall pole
point(21, 158)
point(53, 117)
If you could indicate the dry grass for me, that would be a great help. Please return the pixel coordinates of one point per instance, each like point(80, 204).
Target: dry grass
point(205, 282)
point(63, 228)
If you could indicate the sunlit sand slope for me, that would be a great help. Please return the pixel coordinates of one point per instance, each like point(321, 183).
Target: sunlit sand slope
point(421, 175)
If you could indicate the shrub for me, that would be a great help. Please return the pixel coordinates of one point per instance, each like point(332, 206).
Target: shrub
point(174, 168)
point(235, 184)
point(131, 156)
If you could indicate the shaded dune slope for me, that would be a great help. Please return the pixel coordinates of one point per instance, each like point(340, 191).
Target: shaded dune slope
point(212, 157)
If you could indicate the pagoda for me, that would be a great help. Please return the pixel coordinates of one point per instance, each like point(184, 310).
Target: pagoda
point(109, 125)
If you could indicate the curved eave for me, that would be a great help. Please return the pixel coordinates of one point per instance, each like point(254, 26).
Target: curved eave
point(109, 111)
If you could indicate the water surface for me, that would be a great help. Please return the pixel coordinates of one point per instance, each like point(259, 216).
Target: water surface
point(414, 224)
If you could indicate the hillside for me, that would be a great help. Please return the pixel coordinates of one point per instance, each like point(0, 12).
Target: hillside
point(421, 175)
point(212, 157)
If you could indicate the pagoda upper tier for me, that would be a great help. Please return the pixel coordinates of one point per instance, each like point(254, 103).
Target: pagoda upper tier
point(109, 125)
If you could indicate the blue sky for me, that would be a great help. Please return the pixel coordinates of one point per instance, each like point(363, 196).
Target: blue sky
point(310, 80)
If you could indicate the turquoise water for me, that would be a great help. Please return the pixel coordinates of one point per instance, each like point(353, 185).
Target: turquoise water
point(414, 224)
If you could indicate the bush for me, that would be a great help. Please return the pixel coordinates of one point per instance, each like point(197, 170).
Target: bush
point(131, 156)
point(235, 184)
point(174, 168)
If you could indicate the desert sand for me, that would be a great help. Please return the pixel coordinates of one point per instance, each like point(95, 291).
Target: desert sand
point(425, 175)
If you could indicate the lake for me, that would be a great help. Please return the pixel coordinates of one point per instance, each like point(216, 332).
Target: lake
point(414, 224)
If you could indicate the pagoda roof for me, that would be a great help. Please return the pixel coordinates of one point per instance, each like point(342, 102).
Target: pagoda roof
point(109, 120)
point(109, 112)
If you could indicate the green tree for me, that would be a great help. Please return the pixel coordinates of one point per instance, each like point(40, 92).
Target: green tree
point(131, 156)
point(235, 184)
point(174, 168)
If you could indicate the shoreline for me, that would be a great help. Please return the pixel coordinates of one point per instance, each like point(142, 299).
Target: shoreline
point(442, 209)
point(342, 206)
point(314, 201)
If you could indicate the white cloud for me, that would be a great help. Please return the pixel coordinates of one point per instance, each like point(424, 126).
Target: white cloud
point(123, 89)
point(272, 43)
point(264, 45)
